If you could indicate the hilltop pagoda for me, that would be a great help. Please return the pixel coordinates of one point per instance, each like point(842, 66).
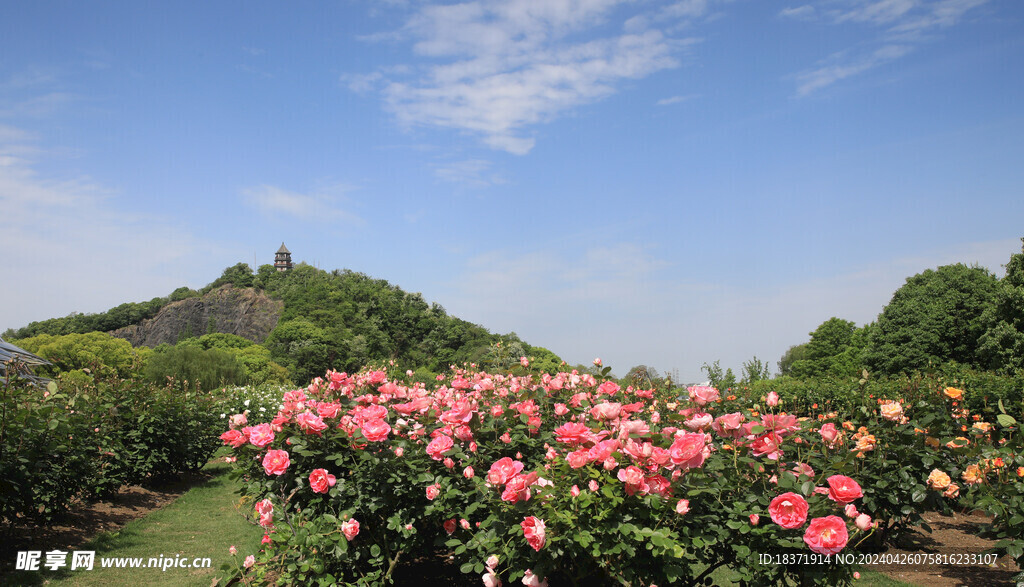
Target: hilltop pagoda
point(283, 259)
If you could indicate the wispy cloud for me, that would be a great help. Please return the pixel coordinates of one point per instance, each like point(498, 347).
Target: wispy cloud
point(675, 100)
point(826, 75)
point(475, 173)
point(499, 67)
point(322, 204)
point(77, 249)
point(900, 25)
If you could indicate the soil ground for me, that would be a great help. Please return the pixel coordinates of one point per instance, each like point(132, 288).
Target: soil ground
point(956, 534)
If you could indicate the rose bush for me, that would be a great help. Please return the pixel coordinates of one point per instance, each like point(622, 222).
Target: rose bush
point(569, 478)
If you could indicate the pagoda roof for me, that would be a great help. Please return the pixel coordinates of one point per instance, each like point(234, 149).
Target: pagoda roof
point(284, 249)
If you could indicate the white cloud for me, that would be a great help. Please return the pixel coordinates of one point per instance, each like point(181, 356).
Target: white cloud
point(901, 26)
point(71, 247)
point(499, 67)
point(826, 75)
point(797, 12)
point(675, 100)
point(470, 172)
point(322, 204)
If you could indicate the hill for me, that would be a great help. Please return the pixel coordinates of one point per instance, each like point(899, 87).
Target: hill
point(309, 320)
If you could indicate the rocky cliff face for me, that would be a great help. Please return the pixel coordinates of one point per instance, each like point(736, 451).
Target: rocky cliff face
point(247, 312)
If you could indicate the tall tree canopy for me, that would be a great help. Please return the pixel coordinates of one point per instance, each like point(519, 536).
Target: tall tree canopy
point(1002, 344)
point(935, 317)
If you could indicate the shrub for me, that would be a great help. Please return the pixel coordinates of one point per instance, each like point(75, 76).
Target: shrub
point(191, 366)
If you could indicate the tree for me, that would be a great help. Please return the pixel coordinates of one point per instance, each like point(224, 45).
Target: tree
point(1002, 344)
point(793, 354)
point(836, 348)
point(935, 317)
point(755, 370)
point(99, 352)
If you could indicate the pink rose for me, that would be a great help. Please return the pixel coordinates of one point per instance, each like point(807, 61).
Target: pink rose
point(264, 507)
point(490, 579)
point(863, 521)
point(350, 529)
point(574, 491)
point(699, 422)
point(320, 480)
point(502, 470)
point(843, 489)
point(682, 506)
point(631, 475)
point(773, 399)
point(702, 394)
point(518, 488)
point(234, 438)
point(767, 445)
point(826, 535)
point(375, 430)
point(689, 450)
point(275, 462)
point(531, 580)
point(534, 531)
point(433, 491)
point(311, 423)
point(606, 410)
point(788, 510)
point(573, 433)
point(261, 435)
point(249, 561)
point(438, 446)
point(592, 485)
point(755, 519)
point(829, 433)
point(729, 425)
point(468, 472)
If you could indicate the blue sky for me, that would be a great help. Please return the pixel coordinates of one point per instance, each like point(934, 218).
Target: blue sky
point(665, 183)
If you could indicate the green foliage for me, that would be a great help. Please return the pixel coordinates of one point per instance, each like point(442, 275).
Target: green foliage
point(191, 367)
point(835, 349)
point(935, 317)
point(82, 439)
point(1002, 344)
point(719, 379)
point(755, 370)
point(118, 317)
point(343, 320)
point(238, 275)
point(99, 352)
point(793, 354)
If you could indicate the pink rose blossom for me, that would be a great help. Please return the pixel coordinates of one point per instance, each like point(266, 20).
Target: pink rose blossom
point(320, 480)
point(350, 529)
point(788, 510)
point(683, 506)
point(826, 535)
point(261, 435)
point(249, 561)
point(433, 491)
point(534, 531)
point(275, 462)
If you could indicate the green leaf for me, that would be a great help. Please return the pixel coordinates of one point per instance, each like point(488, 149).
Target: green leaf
point(1006, 420)
point(374, 550)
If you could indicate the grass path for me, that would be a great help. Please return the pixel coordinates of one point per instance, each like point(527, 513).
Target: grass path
point(202, 523)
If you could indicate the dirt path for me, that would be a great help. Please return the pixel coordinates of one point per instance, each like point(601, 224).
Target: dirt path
point(954, 535)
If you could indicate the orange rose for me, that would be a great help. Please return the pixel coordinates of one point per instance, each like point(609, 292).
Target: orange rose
point(972, 475)
point(953, 393)
point(938, 480)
